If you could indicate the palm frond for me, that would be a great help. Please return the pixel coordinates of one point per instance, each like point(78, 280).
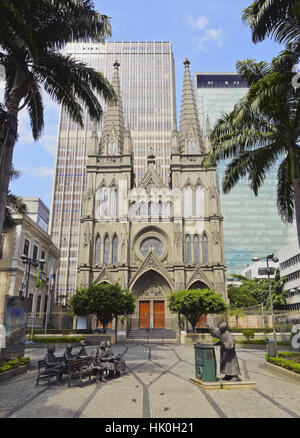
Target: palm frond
point(35, 109)
point(285, 192)
point(255, 164)
point(252, 71)
point(273, 18)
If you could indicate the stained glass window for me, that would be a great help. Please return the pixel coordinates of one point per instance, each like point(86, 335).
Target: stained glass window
point(97, 251)
point(106, 250)
point(151, 243)
point(115, 250)
point(187, 249)
point(204, 250)
point(196, 250)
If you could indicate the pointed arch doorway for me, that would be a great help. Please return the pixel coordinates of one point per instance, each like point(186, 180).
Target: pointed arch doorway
point(151, 291)
point(203, 318)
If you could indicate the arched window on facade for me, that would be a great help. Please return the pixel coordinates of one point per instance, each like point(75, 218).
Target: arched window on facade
point(106, 251)
point(113, 199)
point(97, 251)
point(191, 146)
point(188, 201)
point(115, 250)
point(160, 209)
point(196, 250)
point(187, 249)
point(133, 210)
point(150, 209)
point(111, 148)
point(143, 209)
point(204, 249)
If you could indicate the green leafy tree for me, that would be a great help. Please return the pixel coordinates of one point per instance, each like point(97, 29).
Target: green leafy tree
point(32, 33)
point(105, 301)
point(254, 291)
point(195, 302)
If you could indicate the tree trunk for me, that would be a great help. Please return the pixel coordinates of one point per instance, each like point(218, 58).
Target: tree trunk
point(296, 183)
point(116, 329)
point(15, 96)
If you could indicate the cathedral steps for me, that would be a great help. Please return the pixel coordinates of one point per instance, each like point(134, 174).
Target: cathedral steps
point(161, 334)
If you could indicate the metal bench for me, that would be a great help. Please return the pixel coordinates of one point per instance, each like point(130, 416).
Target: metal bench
point(81, 367)
point(43, 373)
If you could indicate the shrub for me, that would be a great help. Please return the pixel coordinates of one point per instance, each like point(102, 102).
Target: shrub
point(15, 363)
point(284, 363)
point(57, 340)
point(248, 333)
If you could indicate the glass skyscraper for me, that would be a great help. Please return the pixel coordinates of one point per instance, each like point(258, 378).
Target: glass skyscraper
point(252, 225)
point(147, 81)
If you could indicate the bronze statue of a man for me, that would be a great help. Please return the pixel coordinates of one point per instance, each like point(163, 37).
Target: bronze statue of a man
point(117, 359)
point(98, 365)
point(53, 365)
point(81, 352)
point(228, 359)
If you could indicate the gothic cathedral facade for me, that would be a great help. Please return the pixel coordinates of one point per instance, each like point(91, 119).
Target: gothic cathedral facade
point(152, 238)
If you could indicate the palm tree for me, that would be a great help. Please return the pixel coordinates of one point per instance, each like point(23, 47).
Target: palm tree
point(263, 130)
point(278, 19)
point(32, 62)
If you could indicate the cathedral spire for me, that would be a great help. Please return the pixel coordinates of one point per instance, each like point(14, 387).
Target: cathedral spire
point(190, 137)
point(112, 140)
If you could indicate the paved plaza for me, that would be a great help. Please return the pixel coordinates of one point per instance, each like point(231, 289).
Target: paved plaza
point(156, 385)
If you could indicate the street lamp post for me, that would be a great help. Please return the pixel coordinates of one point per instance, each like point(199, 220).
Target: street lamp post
point(274, 259)
point(30, 262)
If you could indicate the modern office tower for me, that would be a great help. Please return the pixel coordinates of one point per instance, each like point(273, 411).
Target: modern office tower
point(38, 212)
point(252, 226)
point(147, 81)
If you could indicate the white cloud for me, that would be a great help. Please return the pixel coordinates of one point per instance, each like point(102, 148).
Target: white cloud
point(213, 35)
point(205, 33)
point(38, 172)
point(198, 23)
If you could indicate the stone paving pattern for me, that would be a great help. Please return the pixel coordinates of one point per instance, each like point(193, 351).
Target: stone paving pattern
point(156, 385)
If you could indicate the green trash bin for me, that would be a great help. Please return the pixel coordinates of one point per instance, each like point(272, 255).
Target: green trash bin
point(205, 362)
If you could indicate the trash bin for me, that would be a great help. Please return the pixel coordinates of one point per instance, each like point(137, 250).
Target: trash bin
point(271, 347)
point(205, 362)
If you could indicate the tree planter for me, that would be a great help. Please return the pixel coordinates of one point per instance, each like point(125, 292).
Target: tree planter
point(14, 372)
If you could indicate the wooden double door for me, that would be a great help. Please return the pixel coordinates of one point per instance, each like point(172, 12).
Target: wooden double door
point(151, 314)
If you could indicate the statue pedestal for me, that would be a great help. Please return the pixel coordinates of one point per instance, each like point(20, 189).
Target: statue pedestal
point(223, 384)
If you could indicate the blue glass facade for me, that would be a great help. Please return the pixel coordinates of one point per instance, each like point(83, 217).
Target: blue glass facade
point(252, 226)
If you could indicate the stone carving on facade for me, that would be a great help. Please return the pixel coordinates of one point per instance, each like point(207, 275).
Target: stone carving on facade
point(219, 284)
point(178, 235)
point(216, 235)
point(179, 282)
point(88, 202)
point(83, 281)
point(200, 275)
point(152, 290)
point(104, 276)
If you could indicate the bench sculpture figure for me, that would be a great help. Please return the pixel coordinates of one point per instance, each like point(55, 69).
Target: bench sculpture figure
point(50, 366)
point(119, 363)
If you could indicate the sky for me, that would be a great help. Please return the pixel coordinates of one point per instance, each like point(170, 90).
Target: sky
point(210, 33)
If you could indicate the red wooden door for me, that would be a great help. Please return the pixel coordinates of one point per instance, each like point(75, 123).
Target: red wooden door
point(158, 314)
point(202, 321)
point(99, 325)
point(144, 312)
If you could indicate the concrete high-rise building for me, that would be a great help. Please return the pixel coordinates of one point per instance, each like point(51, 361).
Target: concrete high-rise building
point(147, 81)
point(38, 212)
point(252, 225)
